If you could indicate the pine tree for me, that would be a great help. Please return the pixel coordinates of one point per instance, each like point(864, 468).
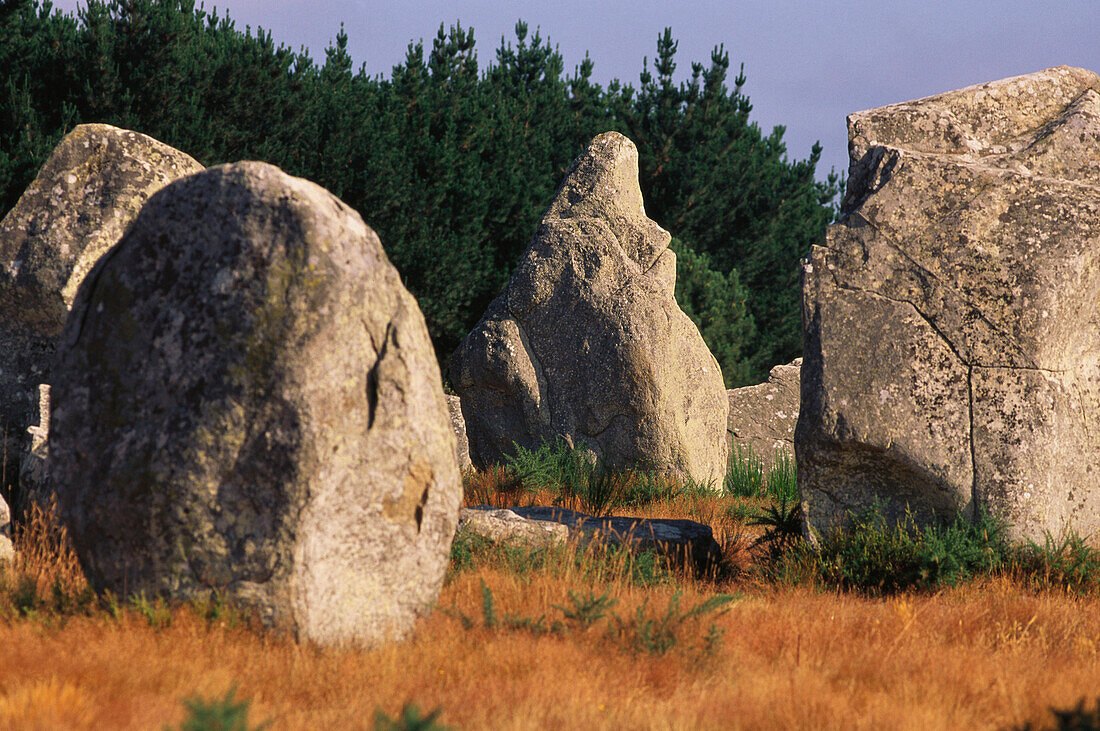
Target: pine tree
point(452, 166)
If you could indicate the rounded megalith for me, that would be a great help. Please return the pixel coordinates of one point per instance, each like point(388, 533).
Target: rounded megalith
point(245, 399)
point(78, 206)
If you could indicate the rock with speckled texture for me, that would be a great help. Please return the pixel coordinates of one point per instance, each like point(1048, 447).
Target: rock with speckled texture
point(83, 199)
point(246, 399)
point(587, 343)
point(7, 551)
point(951, 342)
point(458, 424)
point(762, 417)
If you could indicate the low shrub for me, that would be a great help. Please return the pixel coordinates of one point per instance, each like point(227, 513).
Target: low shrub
point(641, 631)
point(658, 633)
point(871, 556)
point(409, 720)
point(1068, 564)
point(220, 714)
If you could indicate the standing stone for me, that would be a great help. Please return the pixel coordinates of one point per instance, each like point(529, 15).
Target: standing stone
point(246, 399)
point(458, 424)
point(762, 417)
point(587, 343)
point(7, 551)
point(951, 341)
point(33, 473)
point(85, 196)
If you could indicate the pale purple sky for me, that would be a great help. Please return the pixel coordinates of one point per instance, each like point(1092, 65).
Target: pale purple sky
point(808, 64)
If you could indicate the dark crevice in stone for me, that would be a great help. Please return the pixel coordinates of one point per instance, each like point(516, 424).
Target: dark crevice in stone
point(939, 333)
point(418, 513)
point(974, 496)
point(932, 275)
point(372, 376)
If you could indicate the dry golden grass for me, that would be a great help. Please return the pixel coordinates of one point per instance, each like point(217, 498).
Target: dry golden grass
point(989, 654)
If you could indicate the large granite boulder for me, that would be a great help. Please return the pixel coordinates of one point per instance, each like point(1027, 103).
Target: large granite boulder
point(587, 343)
point(85, 196)
point(762, 417)
point(951, 340)
point(246, 399)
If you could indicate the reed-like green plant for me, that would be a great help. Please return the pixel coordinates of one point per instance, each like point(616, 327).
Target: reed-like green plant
point(744, 473)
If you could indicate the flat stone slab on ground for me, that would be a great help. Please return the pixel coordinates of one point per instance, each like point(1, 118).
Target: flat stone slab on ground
point(679, 540)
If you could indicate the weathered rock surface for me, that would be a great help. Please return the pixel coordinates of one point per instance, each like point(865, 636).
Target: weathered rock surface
point(7, 551)
point(684, 542)
point(458, 424)
point(83, 199)
point(33, 474)
point(504, 525)
point(246, 399)
point(951, 341)
point(587, 343)
point(762, 417)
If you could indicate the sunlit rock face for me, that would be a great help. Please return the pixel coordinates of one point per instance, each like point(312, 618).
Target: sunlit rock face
point(246, 400)
point(587, 344)
point(950, 322)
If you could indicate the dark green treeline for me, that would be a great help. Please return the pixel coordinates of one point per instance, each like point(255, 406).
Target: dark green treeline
point(452, 166)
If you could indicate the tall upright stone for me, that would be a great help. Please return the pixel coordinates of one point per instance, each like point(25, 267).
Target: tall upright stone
point(246, 399)
point(587, 343)
point(951, 340)
point(83, 199)
point(7, 550)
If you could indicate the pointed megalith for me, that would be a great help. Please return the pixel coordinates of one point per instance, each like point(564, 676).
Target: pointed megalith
point(951, 341)
point(246, 400)
point(82, 201)
point(587, 342)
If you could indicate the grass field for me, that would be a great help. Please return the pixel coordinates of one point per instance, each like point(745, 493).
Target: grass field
point(580, 638)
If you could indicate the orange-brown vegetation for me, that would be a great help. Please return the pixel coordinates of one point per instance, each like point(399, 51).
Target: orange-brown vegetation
point(987, 654)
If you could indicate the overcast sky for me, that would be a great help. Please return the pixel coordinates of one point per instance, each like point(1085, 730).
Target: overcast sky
point(808, 64)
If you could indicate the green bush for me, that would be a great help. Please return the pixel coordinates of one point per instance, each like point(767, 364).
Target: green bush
point(1068, 564)
point(744, 473)
point(409, 720)
point(1078, 718)
point(225, 714)
point(871, 556)
point(658, 633)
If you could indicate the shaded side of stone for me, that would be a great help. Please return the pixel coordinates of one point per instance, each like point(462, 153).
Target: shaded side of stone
point(683, 542)
point(34, 486)
point(82, 200)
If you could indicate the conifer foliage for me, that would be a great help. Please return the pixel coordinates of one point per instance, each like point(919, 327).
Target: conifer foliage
point(450, 160)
